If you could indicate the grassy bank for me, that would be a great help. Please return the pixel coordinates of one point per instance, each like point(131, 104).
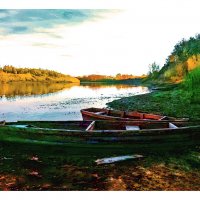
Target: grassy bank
point(175, 103)
point(179, 101)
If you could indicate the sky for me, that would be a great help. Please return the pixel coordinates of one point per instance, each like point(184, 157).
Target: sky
point(95, 41)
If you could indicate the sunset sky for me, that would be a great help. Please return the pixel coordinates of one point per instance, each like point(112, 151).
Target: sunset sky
point(101, 41)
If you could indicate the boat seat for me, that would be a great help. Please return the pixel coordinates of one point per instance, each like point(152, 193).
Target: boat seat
point(123, 114)
point(164, 118)
point(132, 128)
point(172, 125)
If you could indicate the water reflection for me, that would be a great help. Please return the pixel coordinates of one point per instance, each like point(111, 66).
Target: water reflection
point(36, 101)
point(10, 90)
point(106, 85)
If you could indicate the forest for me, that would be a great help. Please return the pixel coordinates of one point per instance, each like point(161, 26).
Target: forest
point(10, 73)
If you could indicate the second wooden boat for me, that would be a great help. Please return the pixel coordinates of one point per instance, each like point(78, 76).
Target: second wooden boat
point(116, 115)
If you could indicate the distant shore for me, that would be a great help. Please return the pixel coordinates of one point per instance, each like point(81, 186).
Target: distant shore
point(38, 81)
point(12, 74)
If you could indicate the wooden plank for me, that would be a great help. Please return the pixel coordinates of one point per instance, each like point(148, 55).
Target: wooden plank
point(117, 159)
point(123, 114)
point(91, 126)
point(163, 118)
point(100, 113)
point(131, 128)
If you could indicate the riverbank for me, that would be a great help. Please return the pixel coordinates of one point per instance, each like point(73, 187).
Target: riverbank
point(175, 102)
point(135, 81)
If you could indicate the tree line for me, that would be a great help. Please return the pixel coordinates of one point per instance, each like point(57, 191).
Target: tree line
point(102, 78)
point(10, 73)
point(36, 72)
point(182, 51)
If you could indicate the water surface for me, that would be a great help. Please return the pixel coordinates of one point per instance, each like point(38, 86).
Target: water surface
point(56, 101)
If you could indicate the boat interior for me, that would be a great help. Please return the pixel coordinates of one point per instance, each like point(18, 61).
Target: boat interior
point(129, 126)
point(93, 125)
point(123, 114)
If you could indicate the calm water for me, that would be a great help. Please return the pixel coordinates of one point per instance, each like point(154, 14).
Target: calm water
point(39, 101)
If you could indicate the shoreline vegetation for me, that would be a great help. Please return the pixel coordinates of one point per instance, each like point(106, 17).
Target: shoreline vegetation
point(118, 79)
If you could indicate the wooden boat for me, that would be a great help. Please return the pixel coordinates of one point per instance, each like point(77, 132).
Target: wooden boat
point(99, 140)
point(103, 138)
point(2, 123)
point(110, 131)
point(116, 115)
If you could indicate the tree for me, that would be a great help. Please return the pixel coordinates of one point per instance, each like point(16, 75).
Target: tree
point(153, 69)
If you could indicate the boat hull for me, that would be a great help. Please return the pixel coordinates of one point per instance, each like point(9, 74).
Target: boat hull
point(115, 115)
point(114, 132)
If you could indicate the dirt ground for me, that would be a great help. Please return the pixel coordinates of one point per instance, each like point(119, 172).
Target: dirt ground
point(108, 177)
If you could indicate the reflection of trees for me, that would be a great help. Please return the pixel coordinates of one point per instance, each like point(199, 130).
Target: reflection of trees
point(30, 88)
point(96, 86)
point(38, 88)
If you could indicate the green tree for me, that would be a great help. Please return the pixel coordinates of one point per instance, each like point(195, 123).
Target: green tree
point(153, 69)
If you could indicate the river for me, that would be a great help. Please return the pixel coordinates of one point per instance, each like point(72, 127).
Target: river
point(56, 101)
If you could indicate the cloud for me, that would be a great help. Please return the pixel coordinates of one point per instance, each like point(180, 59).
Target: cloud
point(31, 20)
point(18, 29)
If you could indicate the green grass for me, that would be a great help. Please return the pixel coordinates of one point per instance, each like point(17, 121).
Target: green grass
point(182, 100)
point(192, 85)
point(192, 80)
point(174, 103)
